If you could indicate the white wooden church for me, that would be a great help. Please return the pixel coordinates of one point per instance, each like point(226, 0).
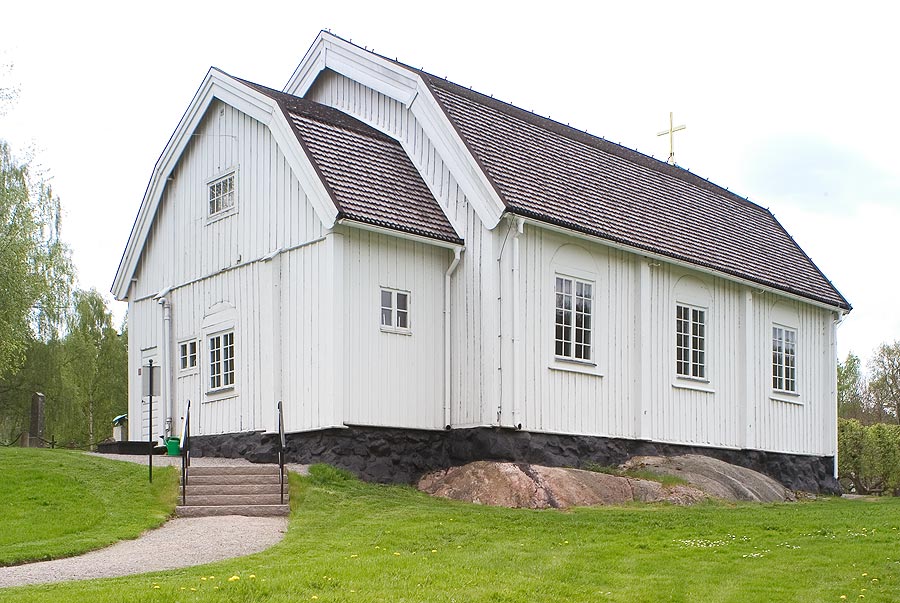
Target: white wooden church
point(388, 252)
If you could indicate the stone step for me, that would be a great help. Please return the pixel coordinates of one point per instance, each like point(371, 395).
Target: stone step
point(216, 489)
point(234, 470)
point(220, 479)
point(226, 500)
point(219, 510)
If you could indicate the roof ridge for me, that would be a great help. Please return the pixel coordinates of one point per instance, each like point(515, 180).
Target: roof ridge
point(585, 137)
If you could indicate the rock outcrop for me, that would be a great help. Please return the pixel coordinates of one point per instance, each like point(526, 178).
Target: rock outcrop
point(535, 487)
point(717, 478)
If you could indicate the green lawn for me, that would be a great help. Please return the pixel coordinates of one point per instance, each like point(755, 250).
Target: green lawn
point(57, 503)
point(356, 542)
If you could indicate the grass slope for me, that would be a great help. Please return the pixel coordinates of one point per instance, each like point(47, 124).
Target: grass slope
point(58, 503)
point(356, 542)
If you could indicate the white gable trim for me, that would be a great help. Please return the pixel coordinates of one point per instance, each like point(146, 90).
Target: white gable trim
point(221, 86)
point(404, 86)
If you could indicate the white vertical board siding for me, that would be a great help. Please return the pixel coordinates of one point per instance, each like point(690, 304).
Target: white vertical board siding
point(566, 397)
point(474, 289)
point(218, 263)
point(569, 397)
point(393, 379)
point(805, 423)
point(687, 411)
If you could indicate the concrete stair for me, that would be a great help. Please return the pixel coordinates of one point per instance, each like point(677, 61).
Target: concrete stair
point(251, 490)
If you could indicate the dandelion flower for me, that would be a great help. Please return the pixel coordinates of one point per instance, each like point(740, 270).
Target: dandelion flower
point(234, 578)
point(865, 574)
point(397, 554)
point(314, 597)
point(183, 588)
point(252, 576)
point(354, 556)
point(843, 597)
point(434, 550)
point(203, 578)
point(156, 586)
point(193, 589)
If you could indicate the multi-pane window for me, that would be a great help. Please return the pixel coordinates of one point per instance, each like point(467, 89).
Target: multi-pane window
point(690, 342)
point(784, 359)
point(574, 311)
point(188, 355)
point(221, 361)
point(395, 310)
point(221, 195)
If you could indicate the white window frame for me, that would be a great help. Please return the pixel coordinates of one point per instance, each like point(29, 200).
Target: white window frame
point(391, 314)
point(782, 383)
point(185, 355)
point(224, 211)
point(579, 338)
point(692, 345)
point(218, 364)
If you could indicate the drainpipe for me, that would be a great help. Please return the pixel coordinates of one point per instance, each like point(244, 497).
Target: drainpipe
point(167, 362)
point(457, 252)
point(516, 352)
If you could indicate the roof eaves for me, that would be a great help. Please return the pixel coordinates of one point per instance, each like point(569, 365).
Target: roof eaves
point(520, 211)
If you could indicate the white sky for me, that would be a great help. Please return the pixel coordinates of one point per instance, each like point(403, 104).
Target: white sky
point(791, 104)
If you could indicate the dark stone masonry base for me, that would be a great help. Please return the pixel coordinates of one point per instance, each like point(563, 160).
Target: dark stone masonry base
point(391, 455)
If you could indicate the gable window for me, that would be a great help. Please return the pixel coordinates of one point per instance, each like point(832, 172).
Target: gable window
point(221, 361)
point(395, 310)
point(221, 195)
point(187, 353)
point(573, 322)
point(784, 359)
point(690, 342)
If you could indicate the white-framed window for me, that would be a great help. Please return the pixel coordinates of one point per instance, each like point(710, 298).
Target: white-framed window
point(784, 359)
point(187, 355)
point(573, 323)
point(395, 310)
point(222, 195)
point(221, 360)
point(690, 341)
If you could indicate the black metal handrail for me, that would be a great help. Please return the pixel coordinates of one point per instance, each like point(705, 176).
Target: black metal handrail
point(185, 450)
point(281, 446)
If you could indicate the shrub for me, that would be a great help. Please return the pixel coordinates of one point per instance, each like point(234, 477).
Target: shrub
point(869, 457)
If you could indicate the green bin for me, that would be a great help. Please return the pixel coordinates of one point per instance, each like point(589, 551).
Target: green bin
point(173, 446)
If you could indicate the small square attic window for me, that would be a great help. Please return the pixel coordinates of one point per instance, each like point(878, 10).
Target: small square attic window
point(221, 195)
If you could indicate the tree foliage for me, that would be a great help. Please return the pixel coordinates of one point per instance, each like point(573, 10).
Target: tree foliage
point(884, 384)
point(36, 273)
point(869, 457)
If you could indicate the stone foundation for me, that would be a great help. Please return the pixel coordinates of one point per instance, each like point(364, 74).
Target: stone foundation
point(391, 455)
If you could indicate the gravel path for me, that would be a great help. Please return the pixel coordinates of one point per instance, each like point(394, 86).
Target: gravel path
point(180, 542)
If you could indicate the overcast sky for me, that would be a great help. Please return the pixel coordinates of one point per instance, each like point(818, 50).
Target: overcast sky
point(793, 105)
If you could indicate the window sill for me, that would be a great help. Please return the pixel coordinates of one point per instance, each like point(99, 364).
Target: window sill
point(697, 385)
point(220, 394)
point(575, 366)
point(786, 397)
point(396, 331)
point(220, 216)
point(187, 372)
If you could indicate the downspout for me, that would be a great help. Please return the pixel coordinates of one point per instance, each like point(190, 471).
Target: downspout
point(516, 352)
point(838, 319)
point(457, 252)
point(167, 362)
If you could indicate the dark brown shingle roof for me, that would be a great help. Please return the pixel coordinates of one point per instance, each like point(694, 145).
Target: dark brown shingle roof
point(369, 176)
point(553, 173)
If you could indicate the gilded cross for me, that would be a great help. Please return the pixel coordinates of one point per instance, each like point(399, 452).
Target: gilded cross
point(671, 131)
